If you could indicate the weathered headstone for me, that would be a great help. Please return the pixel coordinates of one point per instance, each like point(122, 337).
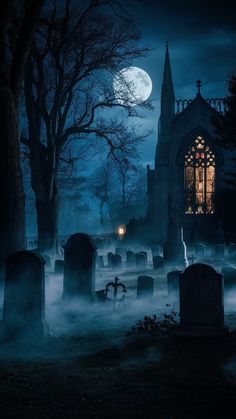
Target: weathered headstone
point(79, 267)
point(59, 266)
point(220, 251)
point(24, 297)
point(158, 263)
point(173, 285)
point(156, 250)
point(130, 258)
point(229, 276)
point(201, 301)
point(144, 253)
point(140, 261)
point(145, 286)
point(116, 262)
point(200, 251)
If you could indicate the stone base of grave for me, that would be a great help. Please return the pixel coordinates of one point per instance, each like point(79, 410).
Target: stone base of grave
point(201, 331)
point(34, 333)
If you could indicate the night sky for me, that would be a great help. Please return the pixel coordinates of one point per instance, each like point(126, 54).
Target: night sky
point(202, 39)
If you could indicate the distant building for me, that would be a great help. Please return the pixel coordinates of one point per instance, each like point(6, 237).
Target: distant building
point(188, 168)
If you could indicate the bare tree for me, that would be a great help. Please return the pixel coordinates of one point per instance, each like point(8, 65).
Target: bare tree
point(100, 186)
point(17, 24)
point(77, 51)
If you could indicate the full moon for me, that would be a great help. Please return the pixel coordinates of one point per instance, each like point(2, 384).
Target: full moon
point(132, 84)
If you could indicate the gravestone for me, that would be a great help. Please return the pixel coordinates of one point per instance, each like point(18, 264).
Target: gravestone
point(158, 263)
point(109, 257)
point(144, 253)
point(47, 260)
point(229, 276)
point(140, 261)
point(79, 267)
point(145, 286)
point(130, 258)
point(116, 262)
point(200, 251)
point(59, 266)
point(101, 261)
point(201, 301)
point(173, 285)
point(220, 251)
point(120, 251)
point(156, 250)
point(24, 297)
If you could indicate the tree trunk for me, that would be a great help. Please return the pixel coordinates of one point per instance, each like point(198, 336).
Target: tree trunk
point(47, 221)
point(12, 222)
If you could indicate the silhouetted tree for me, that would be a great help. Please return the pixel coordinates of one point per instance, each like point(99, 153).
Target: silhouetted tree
point(17, 24)
point(100, 186)
point(79, 48)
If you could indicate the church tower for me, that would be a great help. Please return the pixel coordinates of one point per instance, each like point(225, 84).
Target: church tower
point(158, 179)
point(188, 166)
point(167, 98)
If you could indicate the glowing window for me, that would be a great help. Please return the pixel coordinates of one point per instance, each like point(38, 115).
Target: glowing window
point(199, 178)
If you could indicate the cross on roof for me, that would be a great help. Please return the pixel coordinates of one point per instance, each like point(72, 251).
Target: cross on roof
point(199, 85)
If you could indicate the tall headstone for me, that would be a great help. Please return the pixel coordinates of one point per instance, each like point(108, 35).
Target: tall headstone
point(130, 259)
point(158, 263)
point(145, 286)
point(201, 301)
point(79, 267)
point(173, 285)
point(24, 297)
point(116, 262)
point(140, 261)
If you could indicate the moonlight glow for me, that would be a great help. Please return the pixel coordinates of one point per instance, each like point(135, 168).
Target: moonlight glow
point(132, 84)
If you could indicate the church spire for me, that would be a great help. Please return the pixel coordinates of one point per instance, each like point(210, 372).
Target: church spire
point(167, 96)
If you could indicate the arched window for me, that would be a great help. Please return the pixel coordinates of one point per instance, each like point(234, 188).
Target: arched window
point(199, 178)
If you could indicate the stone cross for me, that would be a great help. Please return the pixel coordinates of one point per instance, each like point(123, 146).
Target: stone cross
point(199, 85)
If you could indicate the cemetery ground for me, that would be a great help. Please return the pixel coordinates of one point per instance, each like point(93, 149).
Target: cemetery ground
point(90, 368)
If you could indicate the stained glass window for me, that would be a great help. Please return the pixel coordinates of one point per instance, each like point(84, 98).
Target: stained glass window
point(199, 178)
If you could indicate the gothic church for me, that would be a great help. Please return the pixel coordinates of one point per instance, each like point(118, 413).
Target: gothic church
point(188, 167)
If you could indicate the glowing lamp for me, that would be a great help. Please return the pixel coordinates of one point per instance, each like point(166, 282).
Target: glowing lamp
point(121, 230)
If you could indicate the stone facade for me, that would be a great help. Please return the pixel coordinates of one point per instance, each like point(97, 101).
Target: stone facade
point(178, 130)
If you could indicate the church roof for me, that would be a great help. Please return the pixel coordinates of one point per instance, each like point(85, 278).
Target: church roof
point(198, 106)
